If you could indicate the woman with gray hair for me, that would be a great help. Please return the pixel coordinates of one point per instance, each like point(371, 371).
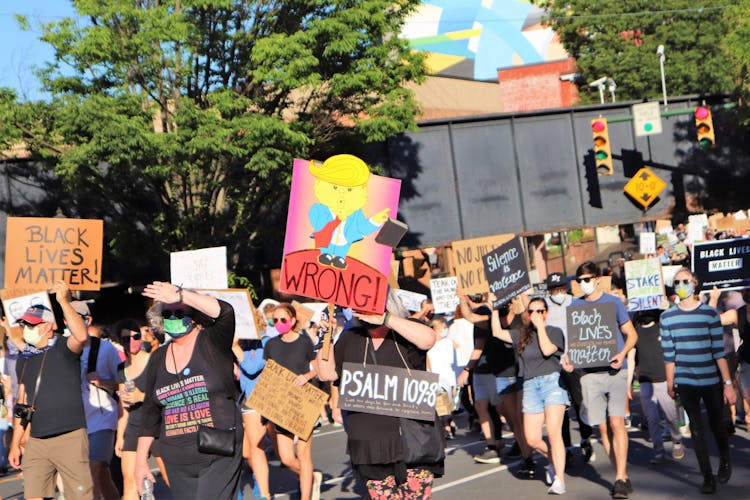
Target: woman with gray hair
point(190, 397)
point(374, 442)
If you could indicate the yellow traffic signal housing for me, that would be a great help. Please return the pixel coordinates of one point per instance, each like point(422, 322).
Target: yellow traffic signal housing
point(602, 148)
point(704, 124)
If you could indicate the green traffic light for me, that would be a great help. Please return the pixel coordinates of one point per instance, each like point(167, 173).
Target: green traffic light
point(601, 155)
point(705, 143)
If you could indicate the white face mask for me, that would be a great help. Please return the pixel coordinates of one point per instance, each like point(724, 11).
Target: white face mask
point(558, 298)
point(443, 333)
point(31, 335)
point(588, 288)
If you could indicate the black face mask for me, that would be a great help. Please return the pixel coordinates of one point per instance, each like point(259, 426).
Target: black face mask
point(146, 346)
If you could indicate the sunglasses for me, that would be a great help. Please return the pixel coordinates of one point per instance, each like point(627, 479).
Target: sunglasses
point(128, 338)
point(585, 280)
point(177, 313)
point(283, 320)
point(540, 311)
point(683, 282)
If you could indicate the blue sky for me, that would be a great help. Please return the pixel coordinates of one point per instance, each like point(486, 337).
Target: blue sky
point(21, 51)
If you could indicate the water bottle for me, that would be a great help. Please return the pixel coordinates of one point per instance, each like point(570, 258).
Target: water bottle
point(680, 411)
point(148, 490)
point(129, 385)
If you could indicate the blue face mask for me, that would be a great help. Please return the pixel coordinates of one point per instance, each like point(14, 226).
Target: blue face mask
point(176, 327)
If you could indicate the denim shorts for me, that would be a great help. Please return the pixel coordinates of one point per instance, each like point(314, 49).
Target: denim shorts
point(545, 390)
point(485, 388)
point(508, 385)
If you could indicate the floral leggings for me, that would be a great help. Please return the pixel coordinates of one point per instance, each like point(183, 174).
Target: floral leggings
point(418, 486)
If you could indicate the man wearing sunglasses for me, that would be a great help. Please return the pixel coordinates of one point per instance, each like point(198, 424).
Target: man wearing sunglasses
point(605, 390)
point(692, 339)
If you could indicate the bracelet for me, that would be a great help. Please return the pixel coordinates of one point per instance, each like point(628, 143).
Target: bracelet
point(467, 369)
point(385, 318)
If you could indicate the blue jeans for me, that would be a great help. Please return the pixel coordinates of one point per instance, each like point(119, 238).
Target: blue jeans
point(542, 391)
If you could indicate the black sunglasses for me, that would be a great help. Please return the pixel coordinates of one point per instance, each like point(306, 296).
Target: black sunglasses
point(177, 313)
point(540, 311)
point(135, 336)
point(283, 320)
point(683, 282)
point(585, 280)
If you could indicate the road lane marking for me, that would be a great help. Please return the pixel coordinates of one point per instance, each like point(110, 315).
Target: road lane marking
point(471, 478)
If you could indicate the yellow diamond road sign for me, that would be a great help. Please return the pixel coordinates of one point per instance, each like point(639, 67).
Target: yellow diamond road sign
point(645, 187)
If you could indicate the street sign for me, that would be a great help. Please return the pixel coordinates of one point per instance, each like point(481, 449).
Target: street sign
point(646, 119)
point(644, 187)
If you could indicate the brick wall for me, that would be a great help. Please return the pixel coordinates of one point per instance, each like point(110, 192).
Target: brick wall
point(537, 86)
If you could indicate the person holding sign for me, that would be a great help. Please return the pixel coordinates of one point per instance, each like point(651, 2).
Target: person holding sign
point(606, 390)
point(691, 336)
point(539, 349)
point(191, 396)
point(374, 442)
point(294, 351)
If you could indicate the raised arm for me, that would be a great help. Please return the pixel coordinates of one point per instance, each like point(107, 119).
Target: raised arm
point(415, 332)
point(78, 332)
point(497, 329)
point(171, 294)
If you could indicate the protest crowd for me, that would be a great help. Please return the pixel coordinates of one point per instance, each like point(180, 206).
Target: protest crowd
point(176, 386)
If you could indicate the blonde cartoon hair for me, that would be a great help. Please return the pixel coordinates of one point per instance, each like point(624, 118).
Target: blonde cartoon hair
point(341, 170)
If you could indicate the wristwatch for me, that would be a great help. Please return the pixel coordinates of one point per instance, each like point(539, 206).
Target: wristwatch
point(727, 383)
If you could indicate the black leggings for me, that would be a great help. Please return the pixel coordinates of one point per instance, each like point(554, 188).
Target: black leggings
point(713, 400)
point(573, 383)
point(217, 477)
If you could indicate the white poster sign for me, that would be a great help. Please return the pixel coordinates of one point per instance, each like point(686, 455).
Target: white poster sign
point(244, 312)
point(412, 300)
point(444, 296)
point(200, 269)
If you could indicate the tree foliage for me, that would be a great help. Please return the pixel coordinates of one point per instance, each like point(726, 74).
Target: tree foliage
point(737, 47)
point(176, 121)
point(620, 40)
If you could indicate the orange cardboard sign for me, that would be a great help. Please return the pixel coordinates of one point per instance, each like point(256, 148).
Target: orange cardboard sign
point(469, 266)
point(41, 251)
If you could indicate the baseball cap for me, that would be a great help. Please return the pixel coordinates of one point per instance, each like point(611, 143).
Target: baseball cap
point(555, 280)
point(36, 314)
point(81, 307)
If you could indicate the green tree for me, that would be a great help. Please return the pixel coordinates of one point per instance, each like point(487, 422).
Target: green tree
point(620, 39)
point(737, 48)
point(176, 121)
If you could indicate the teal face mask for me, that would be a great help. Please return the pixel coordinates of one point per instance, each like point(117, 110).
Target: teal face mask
point(176, 328)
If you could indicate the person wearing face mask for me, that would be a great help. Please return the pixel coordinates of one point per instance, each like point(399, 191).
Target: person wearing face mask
point(190, 385)
point(606, 390)
point(557, 303)
point(50, 386)
point(652, 377)
point(131, 391)
point(696, 369)
point(294, 351)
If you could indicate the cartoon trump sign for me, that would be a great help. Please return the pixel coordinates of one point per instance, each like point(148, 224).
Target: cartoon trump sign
point(330, 253)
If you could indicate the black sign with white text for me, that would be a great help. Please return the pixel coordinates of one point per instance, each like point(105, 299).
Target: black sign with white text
point(385, 390)
point(592, 334)
point(506, 272)
point(721, 264)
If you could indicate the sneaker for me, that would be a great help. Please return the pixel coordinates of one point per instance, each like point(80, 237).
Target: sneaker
point(724, 472)
point(709, 485)
point(658, 458)
point(488, 456)
point(629, 485)
point(549, 475)
point(620, 489)
point(557, 488)
point(685, 430)
point(588, 451)
point(528, 469)
point(317, 481)
point(678, 451)
point(515, 451)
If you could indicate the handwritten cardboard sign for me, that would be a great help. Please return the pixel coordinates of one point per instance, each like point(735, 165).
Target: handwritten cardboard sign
point(245, 320)
point(330, 252)
point(592, 334)
point(203, 269)
point(41, 251)
point(506, 271)
point(647, 243)
point(444, 294)
point(386, 390)
point(722, 263)
point(16, 301)
point(644, 285)
point(412, 301)
point(468, 263)
point(444, 404)
point(293, 408)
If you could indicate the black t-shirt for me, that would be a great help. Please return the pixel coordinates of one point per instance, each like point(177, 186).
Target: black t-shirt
point(201, 394)
point(742, 325)
point(374, 441)
point(649, 356)
point(134, 410)
point(294, 356)
point(532, 362)
point(58, 406)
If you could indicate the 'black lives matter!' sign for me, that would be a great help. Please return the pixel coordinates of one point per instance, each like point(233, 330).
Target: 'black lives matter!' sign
point(506, 272)
point(722, 263)
point(385, 390)
point(592, 334)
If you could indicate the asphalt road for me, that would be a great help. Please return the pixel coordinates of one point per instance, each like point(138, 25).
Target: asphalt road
point(467, 479)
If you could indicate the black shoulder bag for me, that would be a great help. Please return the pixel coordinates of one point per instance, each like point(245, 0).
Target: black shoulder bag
point(25, 411)
point(422, 443)
point(211, 440)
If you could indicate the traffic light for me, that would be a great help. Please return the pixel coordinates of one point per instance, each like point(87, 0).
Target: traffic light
point(602, 150)
point(704, 124)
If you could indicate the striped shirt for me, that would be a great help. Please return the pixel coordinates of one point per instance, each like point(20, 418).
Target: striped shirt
point(693, 341)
